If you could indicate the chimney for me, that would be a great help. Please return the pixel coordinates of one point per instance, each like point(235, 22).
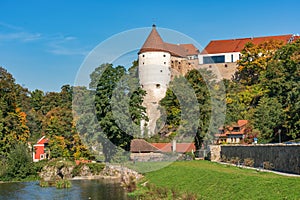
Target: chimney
point(174, 145)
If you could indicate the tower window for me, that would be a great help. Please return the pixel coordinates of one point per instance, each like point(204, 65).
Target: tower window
point(143, 55)
point(165, 63)
point(164, 55)
point(143, 63)
point(157, 85)
point(160, 70)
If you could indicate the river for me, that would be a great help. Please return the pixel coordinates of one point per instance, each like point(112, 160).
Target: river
point(81, 189)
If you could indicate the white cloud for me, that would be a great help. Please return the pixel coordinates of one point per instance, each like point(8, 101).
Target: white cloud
point(58, 44)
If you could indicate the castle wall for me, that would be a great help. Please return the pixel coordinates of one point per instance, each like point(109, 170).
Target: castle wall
point(221, 70)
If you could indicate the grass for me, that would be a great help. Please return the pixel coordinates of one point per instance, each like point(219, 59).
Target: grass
point(215, 181)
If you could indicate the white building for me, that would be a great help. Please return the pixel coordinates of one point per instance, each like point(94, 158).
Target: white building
point(221, 56)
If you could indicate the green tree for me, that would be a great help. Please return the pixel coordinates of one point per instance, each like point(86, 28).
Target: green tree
point(19, 163)
point(188, 105)
point(268, 118)
point(115, 100)
point(281, 80)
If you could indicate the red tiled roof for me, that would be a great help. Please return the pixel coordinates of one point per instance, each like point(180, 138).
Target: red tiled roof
point(180, 147)
point(185, 147)
point(155, 43)
point(190, 49)
point(140, 145)
point(229, 130)
point(242, 122)
point(236, 45)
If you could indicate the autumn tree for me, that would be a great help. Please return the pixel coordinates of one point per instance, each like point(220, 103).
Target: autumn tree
point(254, 60)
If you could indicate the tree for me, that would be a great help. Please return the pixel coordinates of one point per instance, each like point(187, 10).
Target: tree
point(113, 93)
point(254, 59)
point(268, 117)
point(281, 80)
point(188, 105)
point(13, 120)
point(19, 163)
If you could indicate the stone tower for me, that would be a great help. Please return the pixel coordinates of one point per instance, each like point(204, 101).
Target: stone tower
point(159, 62)
point(154, 76)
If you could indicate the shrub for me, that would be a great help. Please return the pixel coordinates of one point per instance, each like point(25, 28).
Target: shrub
point(249, 162)
point(19, 163)
point(268, 165)
point(235, 160)
point(130, 185)
point(96, 168)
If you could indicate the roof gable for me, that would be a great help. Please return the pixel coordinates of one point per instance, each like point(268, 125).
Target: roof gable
point(43, 140)
point(140, 145)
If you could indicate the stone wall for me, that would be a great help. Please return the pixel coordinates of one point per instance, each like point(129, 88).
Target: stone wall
point(285, 158)
point(221, 70)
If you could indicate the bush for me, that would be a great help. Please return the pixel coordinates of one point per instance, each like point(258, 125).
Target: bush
point(96, 168)
point(235, 160)
point(268, 165)
point(19, 163)
point(249, 162)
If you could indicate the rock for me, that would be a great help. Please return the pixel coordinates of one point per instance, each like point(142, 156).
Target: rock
point(67, 172)
point(85, 171)
point(49, 173)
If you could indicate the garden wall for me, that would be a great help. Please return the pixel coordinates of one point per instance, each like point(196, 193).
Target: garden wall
point(283, 157)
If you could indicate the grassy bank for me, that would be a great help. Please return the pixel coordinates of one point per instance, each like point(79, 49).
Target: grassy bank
point(210, 180)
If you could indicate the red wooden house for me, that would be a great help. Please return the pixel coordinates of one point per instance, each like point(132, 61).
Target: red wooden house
point(39, 150)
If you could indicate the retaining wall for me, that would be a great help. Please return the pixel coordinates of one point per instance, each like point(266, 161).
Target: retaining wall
point(285, 158)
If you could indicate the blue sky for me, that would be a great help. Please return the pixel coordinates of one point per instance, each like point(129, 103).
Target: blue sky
point(43, 43)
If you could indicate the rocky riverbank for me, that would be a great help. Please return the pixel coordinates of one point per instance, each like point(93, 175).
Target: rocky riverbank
point(67, 171)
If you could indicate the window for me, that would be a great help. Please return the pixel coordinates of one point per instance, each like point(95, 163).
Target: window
point(157, 85)
point(213, 59)
point(143, 63)
point(42, 156)
point(164, 55)
point(165, 63)
point(143, 55)
point(231, 57)
point(160, 70)
point(225, 65)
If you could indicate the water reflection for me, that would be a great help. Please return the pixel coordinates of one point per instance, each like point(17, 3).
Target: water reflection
point(81, 189)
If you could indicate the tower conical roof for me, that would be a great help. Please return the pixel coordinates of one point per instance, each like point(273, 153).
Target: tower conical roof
point(154, 42)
